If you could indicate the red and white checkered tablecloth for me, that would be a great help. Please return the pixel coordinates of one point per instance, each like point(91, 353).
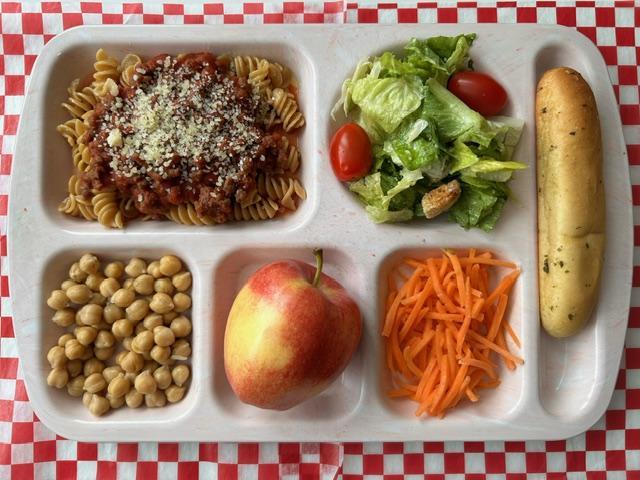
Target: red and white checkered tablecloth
point(610, 449)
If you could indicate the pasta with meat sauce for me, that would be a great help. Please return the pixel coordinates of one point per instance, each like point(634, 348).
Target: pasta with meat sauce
point(195, 138)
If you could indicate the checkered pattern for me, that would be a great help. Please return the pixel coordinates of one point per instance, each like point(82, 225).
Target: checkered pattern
point(610, 449)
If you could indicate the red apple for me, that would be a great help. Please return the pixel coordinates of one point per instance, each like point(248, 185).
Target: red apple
point(291, 331)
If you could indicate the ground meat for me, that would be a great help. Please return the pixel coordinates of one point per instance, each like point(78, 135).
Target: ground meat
point(188, 130)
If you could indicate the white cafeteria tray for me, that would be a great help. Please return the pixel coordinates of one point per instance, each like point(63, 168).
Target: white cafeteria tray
point(564, 385)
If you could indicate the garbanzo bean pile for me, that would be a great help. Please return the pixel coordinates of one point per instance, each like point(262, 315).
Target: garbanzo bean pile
point(129, 335)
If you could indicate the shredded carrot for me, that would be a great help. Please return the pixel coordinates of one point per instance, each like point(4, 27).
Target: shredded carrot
point(446, 330)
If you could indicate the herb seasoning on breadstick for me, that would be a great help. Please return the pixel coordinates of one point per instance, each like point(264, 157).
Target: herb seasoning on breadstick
point(571, 211)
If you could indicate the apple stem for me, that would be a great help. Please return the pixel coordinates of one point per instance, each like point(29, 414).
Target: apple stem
point(317, 252)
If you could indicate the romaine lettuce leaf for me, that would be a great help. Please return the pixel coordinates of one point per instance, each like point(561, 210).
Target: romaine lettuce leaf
point(463, 157)
point(391, 66)
point(489, 169)
point(387, 101)
point(383, 193)
point(480, 203)
point(380, 215)
point(362, 70)
point(451, 116)
point(440, 56)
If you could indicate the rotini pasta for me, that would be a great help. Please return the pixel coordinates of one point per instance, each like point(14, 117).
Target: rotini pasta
point(187, 215)
point(281, 189)
point(286, 106)
point(80, 101)
point(72, 130)
point(131, 115)
point(106, 67)
point(263, 209)
point(107, 209)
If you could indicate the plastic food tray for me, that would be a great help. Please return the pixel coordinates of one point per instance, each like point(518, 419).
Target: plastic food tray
point(564, 385)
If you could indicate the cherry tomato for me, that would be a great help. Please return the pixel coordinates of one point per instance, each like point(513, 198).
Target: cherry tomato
point(350, 152)
point(479, 91)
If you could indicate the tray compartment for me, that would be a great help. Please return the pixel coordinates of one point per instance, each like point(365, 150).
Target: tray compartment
point(70, 409)
point(342, 397)
point(500, 403)
point(77, 62)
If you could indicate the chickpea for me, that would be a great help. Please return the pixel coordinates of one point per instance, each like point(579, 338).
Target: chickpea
point(167, 317)
point(128, 284)
point(131, 376)
point(142, 342)
point(161, 303)
point(111, 313)
point(62, 341)
point(99, 405)
point(103, 326)
point(79, 319)
point(85, 335)
point(74, 349)
point(66, 285)
point(58, 300)
point(135, 267)
point(181, 350)
point(109, 286)
point(122, 328)
point(181, 281)
point(146, 356)
point(143, 284)
point(104, 339)
point(104, 353)
point(153, 320)
point(91, 366)
point(75, 387)
point(163, 285)
point(180, 374)
point(139, 329)
point(95, 383)
point(150, 366)
point(76, 274)
point(56, 357)
point(180, 326)
point(86, 398)
point(119, 357)
point(90, 314)
point(174, 393)
point(162, 376)
point(75, 367)
point(126, 343)
point(115, 402)
point(133, 398)
point(132, 362)
point(64, 317)
point(181, 302)
point(93, 281)
point(79, 294)
point(112, 372)
point(154, 269)
point(114, 270)
point(162, 355)
point(89, 263)
point(58, 377)
point(163, 336)
point(170, 265)
point(98, 299)
point(137, 310)
point(145, 383)
point(88, 353)
point(155, 399)
point(119, 386)
point(123, 297)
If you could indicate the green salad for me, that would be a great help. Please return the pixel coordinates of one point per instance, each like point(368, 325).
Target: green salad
point(423, 136)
